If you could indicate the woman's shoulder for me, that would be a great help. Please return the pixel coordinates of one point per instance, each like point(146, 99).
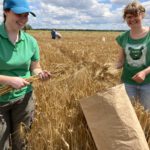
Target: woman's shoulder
point(27, 36)
point(123, 35)
point(122, 38)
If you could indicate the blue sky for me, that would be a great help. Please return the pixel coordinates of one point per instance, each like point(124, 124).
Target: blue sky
point(80, 14)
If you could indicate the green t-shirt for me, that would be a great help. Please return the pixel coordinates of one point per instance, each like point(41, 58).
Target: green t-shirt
point(15, 60)
point(137, 56)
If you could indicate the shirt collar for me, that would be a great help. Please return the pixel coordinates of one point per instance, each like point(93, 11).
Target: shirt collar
point(22, 35)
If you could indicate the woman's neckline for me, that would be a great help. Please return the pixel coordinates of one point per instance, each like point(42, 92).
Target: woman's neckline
point(140, 36)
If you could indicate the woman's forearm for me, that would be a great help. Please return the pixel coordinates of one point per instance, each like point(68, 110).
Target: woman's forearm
point(147, 70)
point(4, 79)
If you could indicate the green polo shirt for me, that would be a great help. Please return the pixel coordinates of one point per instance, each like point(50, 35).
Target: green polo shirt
point(15, 60)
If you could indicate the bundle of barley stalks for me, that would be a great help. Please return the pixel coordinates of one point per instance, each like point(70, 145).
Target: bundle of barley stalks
point(7, 88)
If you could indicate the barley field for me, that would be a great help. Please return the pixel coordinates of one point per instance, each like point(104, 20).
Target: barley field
point(81, 64)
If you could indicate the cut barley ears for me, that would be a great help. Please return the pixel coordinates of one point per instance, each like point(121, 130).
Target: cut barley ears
point(144, 119)
point(7, 88)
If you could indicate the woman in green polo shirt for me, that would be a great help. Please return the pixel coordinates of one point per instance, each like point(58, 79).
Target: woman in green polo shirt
point(134, 55)
point(19, 59)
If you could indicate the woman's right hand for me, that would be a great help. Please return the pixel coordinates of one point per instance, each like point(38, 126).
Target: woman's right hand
point(17, 82)
point(139, 77)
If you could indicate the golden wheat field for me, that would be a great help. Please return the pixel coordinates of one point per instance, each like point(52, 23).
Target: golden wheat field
point(80, 67)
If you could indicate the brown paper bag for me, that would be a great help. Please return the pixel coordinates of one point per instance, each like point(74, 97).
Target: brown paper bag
point(113, 122)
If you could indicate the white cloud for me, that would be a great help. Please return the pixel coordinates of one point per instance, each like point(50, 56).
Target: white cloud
point(92, 14)
point(71, 3)
point(121, 1)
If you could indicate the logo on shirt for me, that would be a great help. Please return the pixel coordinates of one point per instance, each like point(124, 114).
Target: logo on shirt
point(136, 55)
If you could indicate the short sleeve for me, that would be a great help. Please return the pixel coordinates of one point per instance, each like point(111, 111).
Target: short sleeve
point(119, 40)
point(36, 54)
point(122, 39)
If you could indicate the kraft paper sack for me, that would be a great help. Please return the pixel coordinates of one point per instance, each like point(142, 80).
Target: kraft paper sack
point(113, 122)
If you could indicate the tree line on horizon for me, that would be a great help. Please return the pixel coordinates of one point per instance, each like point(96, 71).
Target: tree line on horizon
point(29, 27)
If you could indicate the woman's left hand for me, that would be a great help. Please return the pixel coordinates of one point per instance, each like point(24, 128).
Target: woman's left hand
point(44, 75)
point(139, 77)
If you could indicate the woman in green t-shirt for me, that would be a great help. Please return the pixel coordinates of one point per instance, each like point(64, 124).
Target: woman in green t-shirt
point(19, 59)
point(134, 55)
